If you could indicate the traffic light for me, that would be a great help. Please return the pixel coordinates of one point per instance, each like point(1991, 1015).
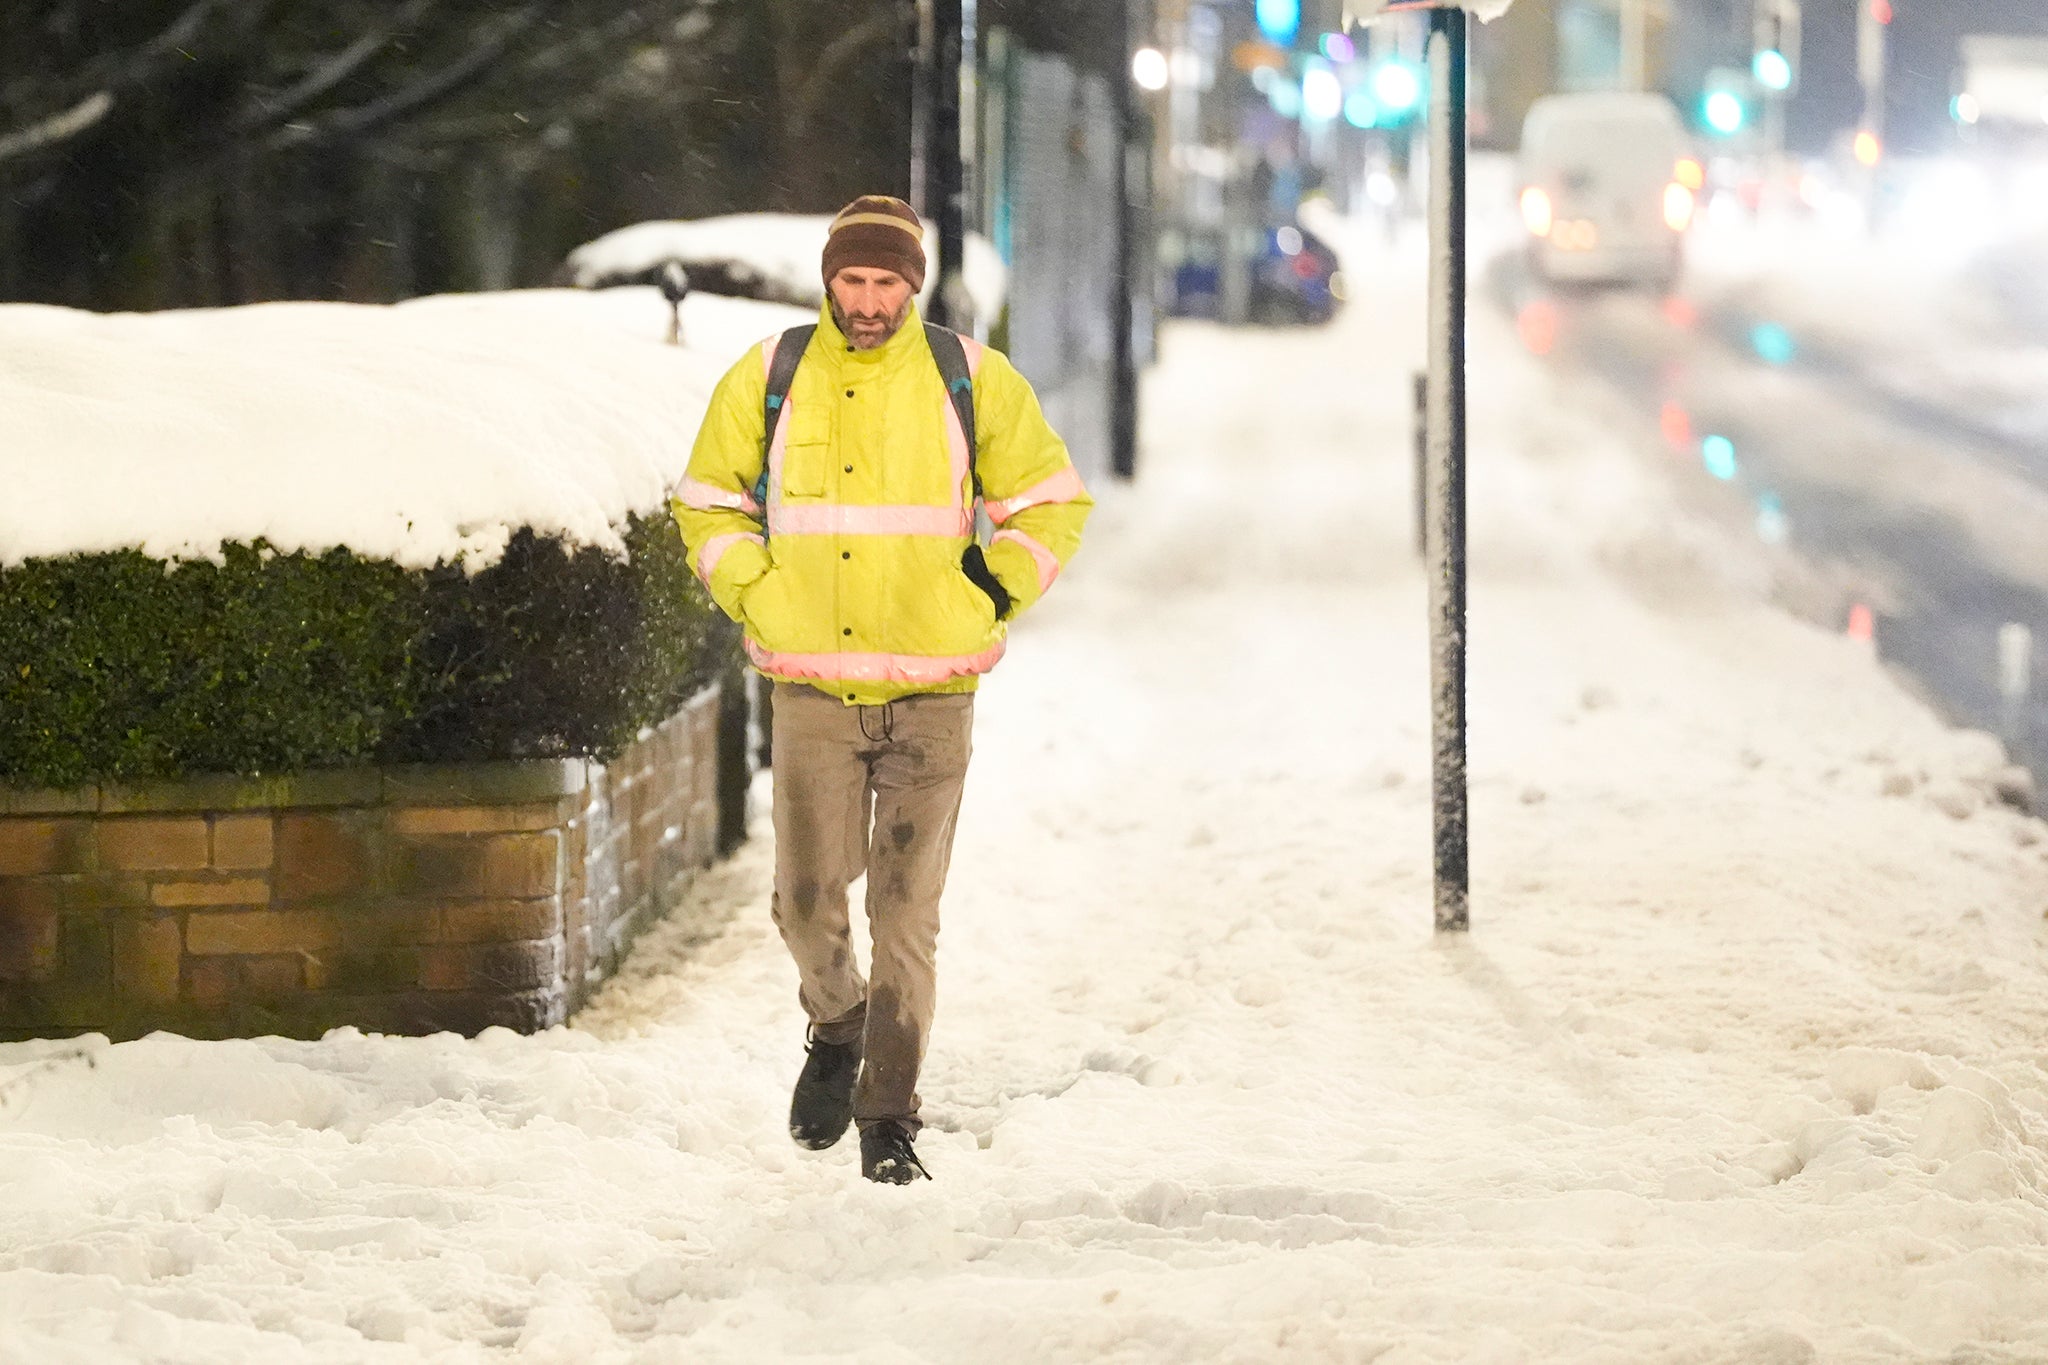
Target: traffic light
point(1772, 70)
point(1775, 38)
point(1726, 101)
point(1322, 93)
point(1279, 20)
point(1397, 86)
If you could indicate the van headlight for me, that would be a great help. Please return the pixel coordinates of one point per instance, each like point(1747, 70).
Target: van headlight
point(1679, 203)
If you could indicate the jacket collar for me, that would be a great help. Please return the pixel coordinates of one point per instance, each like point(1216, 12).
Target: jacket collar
point(908, 341)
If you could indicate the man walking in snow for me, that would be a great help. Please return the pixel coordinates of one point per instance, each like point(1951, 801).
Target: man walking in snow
point(829, 509)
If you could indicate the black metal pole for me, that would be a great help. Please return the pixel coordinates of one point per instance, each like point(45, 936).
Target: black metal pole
point(947, 183)
point(1123, 436)
point(1448, 54)
point(921, 83)
point(1419, 432)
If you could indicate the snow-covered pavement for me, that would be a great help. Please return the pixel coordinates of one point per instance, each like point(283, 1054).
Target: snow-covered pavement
point(1746, 1059)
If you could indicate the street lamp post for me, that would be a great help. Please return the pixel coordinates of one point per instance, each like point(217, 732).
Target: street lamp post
point(1635, 43)
point(1873, 27)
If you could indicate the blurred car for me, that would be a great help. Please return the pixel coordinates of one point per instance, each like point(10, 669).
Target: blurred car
point(1608, 188)
point(1293, 276)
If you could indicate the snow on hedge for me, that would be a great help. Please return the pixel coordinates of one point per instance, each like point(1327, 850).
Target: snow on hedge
point(423, 433)
point(781, 250)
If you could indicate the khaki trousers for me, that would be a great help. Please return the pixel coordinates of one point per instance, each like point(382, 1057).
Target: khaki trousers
point(872, 789)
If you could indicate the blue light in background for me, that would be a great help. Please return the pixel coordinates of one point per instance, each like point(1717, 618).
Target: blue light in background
point(1361, 110)
point(1725, 113)
point(1285, 97)
point(1279, 20)
point(1772, 525)
point(1773, 343)
point(1718, 453)
point(1322, 94)
point(1398, 86)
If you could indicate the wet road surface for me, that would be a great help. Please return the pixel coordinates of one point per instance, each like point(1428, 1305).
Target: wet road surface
point(1869, 481)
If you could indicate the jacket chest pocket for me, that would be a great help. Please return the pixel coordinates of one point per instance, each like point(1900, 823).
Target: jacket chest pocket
point(807, 455)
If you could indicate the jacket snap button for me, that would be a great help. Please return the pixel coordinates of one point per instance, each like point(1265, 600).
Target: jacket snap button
point(849, 469)
point(846, 554)
point(848, 630)
point(849, 393)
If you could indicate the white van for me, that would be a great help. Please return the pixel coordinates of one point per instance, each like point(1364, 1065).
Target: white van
point(1608, 187)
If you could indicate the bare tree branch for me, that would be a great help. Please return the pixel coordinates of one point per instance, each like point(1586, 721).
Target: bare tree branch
point(58, 127)
point(182, 34)
point(123, 72)
point(262, 113)
point(365, 118)
point(817, 87)
point(562, 82)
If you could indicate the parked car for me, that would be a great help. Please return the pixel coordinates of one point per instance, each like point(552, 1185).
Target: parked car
point(1293, 276)
point(1608, 188)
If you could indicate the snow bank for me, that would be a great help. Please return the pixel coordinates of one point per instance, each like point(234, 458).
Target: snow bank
point(422, 433)
point(780, 249)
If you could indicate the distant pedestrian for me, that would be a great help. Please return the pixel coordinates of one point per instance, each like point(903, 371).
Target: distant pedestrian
point(829, 508)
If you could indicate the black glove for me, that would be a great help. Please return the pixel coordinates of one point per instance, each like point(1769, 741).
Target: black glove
point(976, 568)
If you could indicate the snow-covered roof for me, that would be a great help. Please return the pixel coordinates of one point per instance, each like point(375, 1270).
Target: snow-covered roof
point(421, 433)
point(780, 249)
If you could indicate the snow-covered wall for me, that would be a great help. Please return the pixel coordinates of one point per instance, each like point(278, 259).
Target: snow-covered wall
point(782, 249)
point(421, 433)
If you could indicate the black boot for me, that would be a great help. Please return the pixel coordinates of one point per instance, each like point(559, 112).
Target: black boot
point(886, 1155)
point(822, 1104)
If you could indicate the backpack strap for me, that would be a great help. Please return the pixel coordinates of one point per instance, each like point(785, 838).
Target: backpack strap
point(952, 358)
point(789, 353)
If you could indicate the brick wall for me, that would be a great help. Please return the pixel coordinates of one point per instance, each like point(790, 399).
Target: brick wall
point(406, 900)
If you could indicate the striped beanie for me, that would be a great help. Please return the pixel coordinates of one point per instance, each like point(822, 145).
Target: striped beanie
point(879, 232)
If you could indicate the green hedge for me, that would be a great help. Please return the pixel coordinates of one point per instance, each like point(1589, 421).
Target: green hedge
point(118, 667)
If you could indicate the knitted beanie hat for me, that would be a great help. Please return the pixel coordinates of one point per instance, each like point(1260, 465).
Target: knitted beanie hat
point(879, 232)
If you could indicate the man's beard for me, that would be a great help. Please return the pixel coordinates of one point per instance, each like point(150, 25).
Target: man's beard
point(895, 324)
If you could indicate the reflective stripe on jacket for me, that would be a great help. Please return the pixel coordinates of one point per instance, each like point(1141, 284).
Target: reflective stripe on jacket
point(846, 574)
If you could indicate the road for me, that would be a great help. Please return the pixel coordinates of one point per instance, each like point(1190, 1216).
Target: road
point(1916, 503)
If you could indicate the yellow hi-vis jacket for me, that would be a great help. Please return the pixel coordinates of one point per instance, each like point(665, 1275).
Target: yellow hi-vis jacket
point(844, 570)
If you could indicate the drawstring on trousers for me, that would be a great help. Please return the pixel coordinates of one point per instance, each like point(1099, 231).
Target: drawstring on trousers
point(887, 720)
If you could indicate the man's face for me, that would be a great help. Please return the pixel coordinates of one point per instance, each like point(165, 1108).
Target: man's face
point(869, 304)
